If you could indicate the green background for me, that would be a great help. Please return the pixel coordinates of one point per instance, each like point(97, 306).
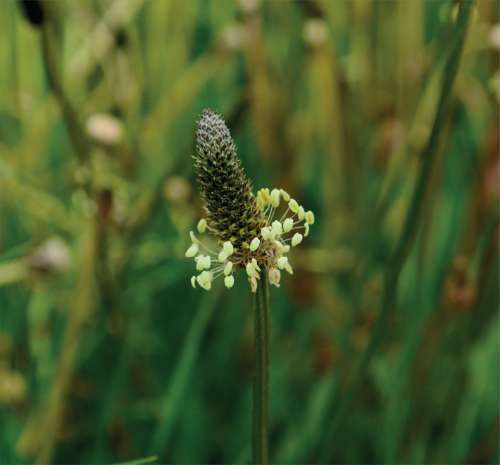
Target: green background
point(108, 355)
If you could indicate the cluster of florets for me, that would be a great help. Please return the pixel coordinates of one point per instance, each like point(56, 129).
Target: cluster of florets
point(266, 251)
point(244, 228)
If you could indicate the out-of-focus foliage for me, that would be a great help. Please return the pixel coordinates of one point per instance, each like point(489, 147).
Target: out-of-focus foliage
point(108, 355)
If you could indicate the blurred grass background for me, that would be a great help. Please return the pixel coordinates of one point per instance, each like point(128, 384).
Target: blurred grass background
point(108, 355)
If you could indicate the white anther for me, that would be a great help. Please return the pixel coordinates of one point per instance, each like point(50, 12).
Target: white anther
point(309, 217)
point(282, 262)
point(285, 195)
point(274, 277)
point(263, 197)
point(296, 239)
point(255, 264)
point(277, 228)
point(202, 226)
point(251, 271)
point(228, 268)
point(228, 248)
point(192, 251)
point(266, 233)
point(205, 280)
point(287, 225)
point(203, 262)
point(254, 245)
point(293, 205)
point(275, 198)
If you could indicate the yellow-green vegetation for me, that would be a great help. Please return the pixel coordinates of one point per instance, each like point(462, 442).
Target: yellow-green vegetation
point(380, 116)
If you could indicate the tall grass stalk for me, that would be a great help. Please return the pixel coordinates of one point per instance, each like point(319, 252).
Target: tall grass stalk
point(260, 443)
point(51, 50)
point(46, 434)
point(173, 396)
point(413, 216)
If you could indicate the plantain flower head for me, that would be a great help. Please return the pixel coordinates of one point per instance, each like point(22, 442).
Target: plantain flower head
point(248, 231)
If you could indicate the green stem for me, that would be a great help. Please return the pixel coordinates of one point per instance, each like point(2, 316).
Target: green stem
point(51, 42)
point(261, 374)
point(412, 220)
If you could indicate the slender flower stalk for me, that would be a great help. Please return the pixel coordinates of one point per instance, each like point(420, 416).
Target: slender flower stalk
point(260, 434)
point(249, 232)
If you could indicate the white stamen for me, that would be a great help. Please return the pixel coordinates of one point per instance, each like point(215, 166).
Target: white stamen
point(202, 226)
point(296, 239)
point(194, 239)
point(275, 198)
point(287, 225)
point(282, 248)
point(192, 251)
point(274, 277)
point(254, 245)
point(266, 233)
point(293, 205)
point(228, 268)
point(282, 262)
point(309, 217)
point(263, 197)
point(255, 264)
point(203, 262)
point(228, 248)
point(272, 253)
point(205, 280)
point(285, 195)
point(251, 271)
point(277, 228)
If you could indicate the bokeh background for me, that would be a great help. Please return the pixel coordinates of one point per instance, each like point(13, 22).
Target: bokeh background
point(108, 355)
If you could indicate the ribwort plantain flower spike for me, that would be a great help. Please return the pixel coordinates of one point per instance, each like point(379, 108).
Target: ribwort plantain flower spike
point(249, 233)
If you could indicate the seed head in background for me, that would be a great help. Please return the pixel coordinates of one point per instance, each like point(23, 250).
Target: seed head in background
point(248, 235)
